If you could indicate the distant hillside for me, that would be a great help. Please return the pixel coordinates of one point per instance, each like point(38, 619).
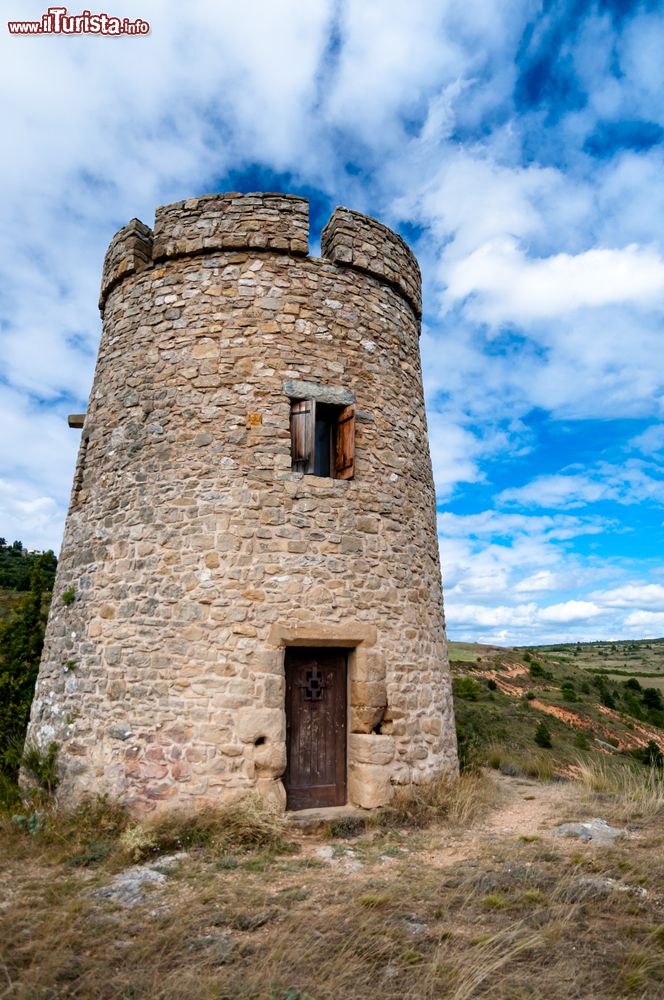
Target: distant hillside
point(577, 694)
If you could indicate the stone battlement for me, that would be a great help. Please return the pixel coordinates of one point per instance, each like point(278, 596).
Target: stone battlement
point(261, 221)
point(129, 251)
point(366, 244)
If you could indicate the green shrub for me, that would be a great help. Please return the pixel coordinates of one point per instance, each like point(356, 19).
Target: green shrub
point(42, 766)
point(568, 690)
point(650, 755)
point(491, 684)
point(469, 743)
point(652, 698)
point(542, 735)
point(536, 669)
point(68, 596)
point(466, 687)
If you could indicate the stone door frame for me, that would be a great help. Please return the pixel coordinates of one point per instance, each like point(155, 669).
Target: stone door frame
point(369, 753)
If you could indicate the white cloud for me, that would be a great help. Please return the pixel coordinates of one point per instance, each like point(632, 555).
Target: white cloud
point(507, 286)
point(23, 514)
point(650, 441)
point(542, 580)
point(649, 624)
point(631, 483)
point(569, 611)
point(645, 595)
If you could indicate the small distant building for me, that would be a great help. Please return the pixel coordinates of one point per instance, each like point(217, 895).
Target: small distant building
point(249, 594)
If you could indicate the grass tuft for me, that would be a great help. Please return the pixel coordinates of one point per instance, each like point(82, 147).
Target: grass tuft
point(460, 801)
point(637, 791)
point(243, 825)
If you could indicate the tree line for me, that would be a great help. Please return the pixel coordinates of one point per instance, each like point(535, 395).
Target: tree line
point(21, 642)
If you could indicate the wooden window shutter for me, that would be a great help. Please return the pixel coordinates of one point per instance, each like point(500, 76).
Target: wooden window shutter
point(344, 450)
point(303, 434)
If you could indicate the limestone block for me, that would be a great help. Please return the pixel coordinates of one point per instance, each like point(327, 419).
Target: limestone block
point(369, 785)
point(363, 718)
point(270, 758)
point(368, 693)
point(370, 748)
point(272, 792)
point(267, 724)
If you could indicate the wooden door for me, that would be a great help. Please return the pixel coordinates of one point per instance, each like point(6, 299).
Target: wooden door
point(315, 727)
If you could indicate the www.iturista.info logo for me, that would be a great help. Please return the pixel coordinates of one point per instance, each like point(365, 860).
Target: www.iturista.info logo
point(56, 21)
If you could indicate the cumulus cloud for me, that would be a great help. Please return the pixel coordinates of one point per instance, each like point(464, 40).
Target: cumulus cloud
point(644, 595)
point(632, 483)
point(651, 440)
point(507, 286)
point(649, 624)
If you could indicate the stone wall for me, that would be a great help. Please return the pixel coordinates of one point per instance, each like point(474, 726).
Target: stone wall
point(197, 554)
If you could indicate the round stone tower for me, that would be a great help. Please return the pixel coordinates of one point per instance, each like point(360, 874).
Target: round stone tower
point(249, 593)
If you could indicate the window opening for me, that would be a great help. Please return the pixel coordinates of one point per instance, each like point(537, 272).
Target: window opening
point(323, 439)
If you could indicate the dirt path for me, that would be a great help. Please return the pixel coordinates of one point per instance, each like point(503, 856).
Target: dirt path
point(530, 807)
point(523, 808)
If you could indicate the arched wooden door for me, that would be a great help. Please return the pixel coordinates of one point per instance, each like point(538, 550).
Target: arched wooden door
point(316, 699)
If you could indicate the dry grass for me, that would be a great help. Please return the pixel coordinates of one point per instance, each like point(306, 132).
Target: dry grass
point(637, 792)
point(245, 824)
point(460, 801)
point(238, 920)
point(530, 764)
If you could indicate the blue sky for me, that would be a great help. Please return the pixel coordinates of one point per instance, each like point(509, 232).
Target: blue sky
point(519, 148)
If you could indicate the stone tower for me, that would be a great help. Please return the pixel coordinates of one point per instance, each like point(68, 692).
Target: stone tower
point(249, 592)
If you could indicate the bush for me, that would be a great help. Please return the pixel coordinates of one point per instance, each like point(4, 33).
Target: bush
point(633, 684)
point(466, 687)
point(491, 684)
point(542, 735)
point(469, 743)
point(536, 669)
point(650, 755)
point(652, 699)
point(245, 824)
point(581, 741)
point(568, 691)
point(606, 697)
point(42, 766)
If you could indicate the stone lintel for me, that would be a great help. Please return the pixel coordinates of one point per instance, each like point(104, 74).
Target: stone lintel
point(76, 420)
point(345, 634)
point(335, 394)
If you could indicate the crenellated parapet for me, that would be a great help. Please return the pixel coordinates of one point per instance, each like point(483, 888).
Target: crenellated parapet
point(277, 223)
point(232, 221)
point(129, 251)
point(361, 242)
